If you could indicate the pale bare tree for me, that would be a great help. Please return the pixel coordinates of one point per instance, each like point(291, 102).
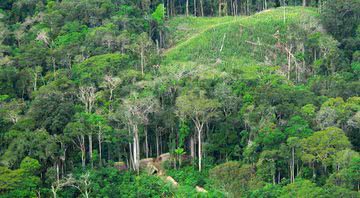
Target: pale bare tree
point(135, 112)
point(60, 184)
point(12, 110)
point(43, 36)
point(87, 96)
point(111, 83)
point(198, 108)
point(83, 184)
point(76, 130)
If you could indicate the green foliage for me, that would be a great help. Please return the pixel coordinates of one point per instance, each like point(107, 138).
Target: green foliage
point(183, 133)
point(9, 179)
point(108, 182)
point(53, 106)
point(195, 105)
point(232, 178)
point(188, 176)
point(348, 176)
point(302, 188)
point(30, 165)
point(345, 26)
point(23, 182)
point(93, 70)
point(159, 14)
point(297, 127)
point(268, 191)
point(117, 81)
point(323, 145)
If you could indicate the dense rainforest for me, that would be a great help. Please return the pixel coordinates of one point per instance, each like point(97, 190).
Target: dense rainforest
point(180, 98)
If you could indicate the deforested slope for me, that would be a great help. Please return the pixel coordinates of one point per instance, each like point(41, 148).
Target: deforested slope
point(243, 43)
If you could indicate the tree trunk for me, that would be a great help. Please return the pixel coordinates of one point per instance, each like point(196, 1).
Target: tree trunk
point(108, 151)
point(35, 81)
point(131, 155)
point(63, 164)
point(192, 147)
point(247, 7)
point(100, 150)
point(173, 11)
point(54, 191)
point(111, 98)
point(219, 11)
point(297, 167)
point(199, 127)
point(202, 7)
point(236, 7)
point(265, 5)
point(187, 8)
point(168, 8)
point(83, 150)
point(157, 46)
point(136, 148)
point(142, 60)
point(161, 45)
point(273, 178)
point(57, 172)
point(199, 150)
point(304, 3)
point(157, 145)
point(279, 177)
point(86, 194)
point(314, 171)
point(194, 7)
point(90, 150)
point(292, 178)
point(161, 143)
point(54, 66)
point(146, 143)
point(289, 64)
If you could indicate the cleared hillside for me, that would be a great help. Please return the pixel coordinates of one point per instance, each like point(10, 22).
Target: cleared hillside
point(237, 43)
point(182, 28)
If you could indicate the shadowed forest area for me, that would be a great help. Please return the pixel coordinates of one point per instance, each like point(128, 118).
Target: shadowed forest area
point(180, 98)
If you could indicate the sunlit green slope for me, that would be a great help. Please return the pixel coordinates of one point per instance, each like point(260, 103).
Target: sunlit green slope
point(235, 43)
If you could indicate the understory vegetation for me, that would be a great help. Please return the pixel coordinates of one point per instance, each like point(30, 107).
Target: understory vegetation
point(180, 98)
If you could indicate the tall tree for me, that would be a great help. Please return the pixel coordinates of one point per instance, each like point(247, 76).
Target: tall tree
point(141, 47)
point(76, 132)
point(88, 97)
point(135, 113)
point(200, 109)
point(322, 146)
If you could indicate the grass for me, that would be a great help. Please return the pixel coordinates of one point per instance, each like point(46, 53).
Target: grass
point(232, 44)
point(182, 28)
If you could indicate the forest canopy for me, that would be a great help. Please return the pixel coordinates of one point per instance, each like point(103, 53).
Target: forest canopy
point(179, 98)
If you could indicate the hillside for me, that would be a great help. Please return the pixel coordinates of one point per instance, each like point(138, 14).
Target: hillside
point(240, 43)
point(179, 98)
